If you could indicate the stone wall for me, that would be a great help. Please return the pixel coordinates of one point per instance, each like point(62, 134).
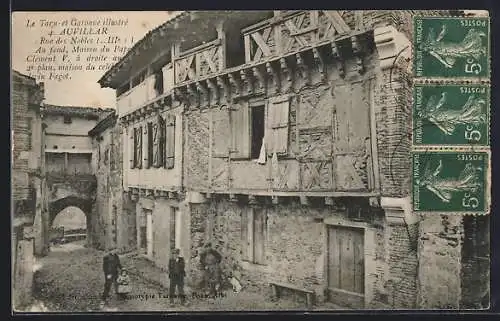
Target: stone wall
point(475, 274)
point(111, 228)
point(440, 261)
point(294, 246)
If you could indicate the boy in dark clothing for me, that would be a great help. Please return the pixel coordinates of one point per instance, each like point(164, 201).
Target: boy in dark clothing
point(176, 274)
point(111, 266)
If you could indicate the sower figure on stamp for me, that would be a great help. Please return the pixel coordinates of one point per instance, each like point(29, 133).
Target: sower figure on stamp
point(212, 276)
point(176, 274)
point(111, 267)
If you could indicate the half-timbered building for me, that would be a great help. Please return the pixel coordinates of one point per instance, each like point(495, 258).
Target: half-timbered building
point(283, 138)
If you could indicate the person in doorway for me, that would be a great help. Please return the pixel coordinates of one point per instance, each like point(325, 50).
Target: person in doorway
point(176, 274)
point(111, 267)
point(212, 275)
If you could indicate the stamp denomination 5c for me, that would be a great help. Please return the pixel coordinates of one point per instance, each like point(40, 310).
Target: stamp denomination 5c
point(450, 182)
point(452, 47)
point(451, 115)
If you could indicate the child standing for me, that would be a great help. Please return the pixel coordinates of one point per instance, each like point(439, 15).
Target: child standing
point(123, 282)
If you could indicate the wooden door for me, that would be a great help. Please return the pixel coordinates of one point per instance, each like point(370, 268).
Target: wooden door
point(345, 266)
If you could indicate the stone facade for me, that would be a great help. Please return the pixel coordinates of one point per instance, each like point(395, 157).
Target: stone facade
point(340, 182)
point(28, 183)
point(110, 222)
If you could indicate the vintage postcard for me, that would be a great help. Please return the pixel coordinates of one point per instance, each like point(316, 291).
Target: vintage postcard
point(275, 160)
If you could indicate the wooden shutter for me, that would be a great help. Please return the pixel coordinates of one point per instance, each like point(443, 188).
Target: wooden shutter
point(221, 133)
point(240, 128)
point(148, 144)
point(170, 142)
point(259, 235)
point(278, 121)
point(138, 147)
point(157, 155)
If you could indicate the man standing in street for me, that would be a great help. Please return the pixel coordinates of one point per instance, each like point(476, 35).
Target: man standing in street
point(176, 274)
point(111, 266)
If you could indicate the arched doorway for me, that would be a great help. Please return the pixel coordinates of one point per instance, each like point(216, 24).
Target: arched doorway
point(72, 221)
point(69, 219)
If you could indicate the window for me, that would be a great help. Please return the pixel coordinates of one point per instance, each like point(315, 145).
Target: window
point(29, 124)
point(278, 122)
point(253, 228)
point(158, 144)
point(136, 155)
point(169, 142)
point(249, 123)
point(257, 133)
point(149, 156)
point(67, 119)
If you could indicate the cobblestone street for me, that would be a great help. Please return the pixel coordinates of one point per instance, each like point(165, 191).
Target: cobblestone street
point(70, 279)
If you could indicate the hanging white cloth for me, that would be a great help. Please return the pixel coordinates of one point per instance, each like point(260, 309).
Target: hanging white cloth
point(262, 156)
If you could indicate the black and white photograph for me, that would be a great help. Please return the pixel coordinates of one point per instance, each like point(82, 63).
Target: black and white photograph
point(258, 160)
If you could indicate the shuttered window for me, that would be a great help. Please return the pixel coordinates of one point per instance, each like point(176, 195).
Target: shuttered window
point(132, 149)
point(253, 231)
point(157, 137)
point(138, 147)
point(148, 155)
point(221, 133)
point(170, 142)
point(278, 122)
point(240, 128)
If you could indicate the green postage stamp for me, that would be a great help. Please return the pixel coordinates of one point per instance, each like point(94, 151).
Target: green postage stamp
point(451, 115)
point(450, 182)
point(447, 47)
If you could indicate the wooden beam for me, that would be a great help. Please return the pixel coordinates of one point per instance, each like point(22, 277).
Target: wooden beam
point(285, 69)
point(273, 76)
point(221, 83)
point(235, 83)
point(212, 85)
point(246, 82)
point(259, 75)
point(252, 200)
point(320, 62)
point(329, 201)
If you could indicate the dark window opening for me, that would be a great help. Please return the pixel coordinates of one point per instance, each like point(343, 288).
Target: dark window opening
point(258, 114)
point(67, 120)
point(55, 147)
point(30, 133)
point(150, 144)
point(143, 237)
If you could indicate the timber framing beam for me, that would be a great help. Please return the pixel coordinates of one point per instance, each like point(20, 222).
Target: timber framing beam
point(254, 77)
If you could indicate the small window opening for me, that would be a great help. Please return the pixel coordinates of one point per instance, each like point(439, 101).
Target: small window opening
point(67, 120)
point(258, 113)
point(55, 147)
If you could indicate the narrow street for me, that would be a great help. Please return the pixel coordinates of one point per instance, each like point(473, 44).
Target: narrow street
point(70, 279)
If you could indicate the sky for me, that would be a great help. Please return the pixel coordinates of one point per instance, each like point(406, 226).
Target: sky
point(82, 89)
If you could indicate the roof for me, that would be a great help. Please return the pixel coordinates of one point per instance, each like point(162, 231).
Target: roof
point(190, 28)
point(25, 79)
point(84, 112)
point(106, 122)
point(141, 43)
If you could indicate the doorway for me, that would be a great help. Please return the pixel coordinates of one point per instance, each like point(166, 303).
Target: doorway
point(345, 266)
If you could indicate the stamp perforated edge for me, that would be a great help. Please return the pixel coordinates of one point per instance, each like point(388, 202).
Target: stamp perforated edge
point(487, 187)
point(486, 78)
point(462, 147)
